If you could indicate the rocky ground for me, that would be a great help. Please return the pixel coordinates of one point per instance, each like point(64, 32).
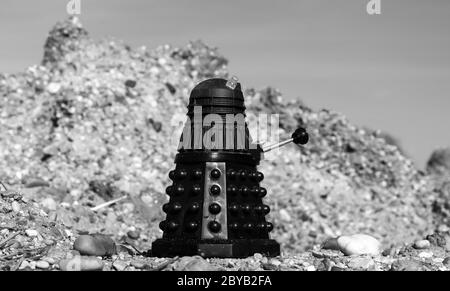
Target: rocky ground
point(96, 121)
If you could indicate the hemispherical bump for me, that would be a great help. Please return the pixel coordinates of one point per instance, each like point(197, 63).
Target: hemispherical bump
point(179, 189)
point(266, 209)
point(231, 174)
point(255, 190)
point(261, 226)
point(245, 190)
point(232, 190)
point(269, 226)
point(243, 174)
point(163, 225)
point(166, 207)
point(172, 175)
point(234, 208)
point(262, 192)
point(259, 176)
point(233, 226)
point(196, 189)
point(248, 226)
point(214, 208)
point(169, 190)
point(214, 226)
point(252, 175)
point(194, 207)
point(215, 174)
point(246, 208)
point(181, 174)
point(259, 209)
point(171, 225)
point(192, 226)
point(175, 208)
point(197, 174)
point(215, 190)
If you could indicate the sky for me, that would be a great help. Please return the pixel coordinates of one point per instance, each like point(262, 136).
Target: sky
point(389, 71)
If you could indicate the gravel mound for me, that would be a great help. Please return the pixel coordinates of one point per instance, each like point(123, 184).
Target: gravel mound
point(96, 121)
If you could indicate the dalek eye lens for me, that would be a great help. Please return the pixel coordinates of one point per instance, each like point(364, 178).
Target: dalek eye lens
point(215, 174)
point(169, 190)
point(214, 208)
point(215, 190)
point(214, 226)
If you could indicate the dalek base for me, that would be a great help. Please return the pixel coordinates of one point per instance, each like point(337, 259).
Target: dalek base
point(237, 248)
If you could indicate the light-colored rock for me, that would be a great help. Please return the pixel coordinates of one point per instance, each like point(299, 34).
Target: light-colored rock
point(53, 88)
point(32, 232)
point(81, 263)
point(49, 204)
point(359, 244)
point(24, 265)
point(15, 206)
point(195, 263)
point(422, 244)
point(120, 265)
point(42, 265)
point(361, 263)
point(426, 255)
point(285, 216)
point(95, 245)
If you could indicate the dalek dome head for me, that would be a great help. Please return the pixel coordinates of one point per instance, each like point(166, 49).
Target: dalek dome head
point(217, 96)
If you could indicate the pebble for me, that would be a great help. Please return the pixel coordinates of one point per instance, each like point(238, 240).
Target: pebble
point(361, 263)
point(15, 206)
point(49, 204)
point(422, 244)
point(95, 245)
point(42, 265)
point(195, 263)
point(32, 232)
point(359, 244)
point(120, 265)
point(133, 234)
point(426, 255)
point(24, 265)
point(310, 268)
point(81, 263)
point(284, 215)
point(53, 88)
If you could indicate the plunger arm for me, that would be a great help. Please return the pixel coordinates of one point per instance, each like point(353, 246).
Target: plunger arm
point(300, 137)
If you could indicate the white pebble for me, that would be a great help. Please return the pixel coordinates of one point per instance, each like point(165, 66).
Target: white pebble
point(15, 206)
point(359, 244)
point(426, 255)
point(422, 244)
point(284, 215)
point(42, 265)
point(53, 88)
point(32, 232)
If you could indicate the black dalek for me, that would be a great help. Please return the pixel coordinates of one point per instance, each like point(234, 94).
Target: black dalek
point(216, 207)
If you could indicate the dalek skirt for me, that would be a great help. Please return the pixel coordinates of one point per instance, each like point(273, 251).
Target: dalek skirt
point(216, 204)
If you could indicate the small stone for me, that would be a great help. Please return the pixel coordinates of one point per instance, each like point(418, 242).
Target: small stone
point(310, 268)
point(32, 232)
point(120, 265)
point(138, 264)
point(361, 263)
point(133, 234)
point(42, 265)
point(446, 262)
point(284, 215)
point(49, 204)
point(257, 256)
point(15, 206)
point(407, 265)
point(359, 244)
point(422, 244)
point(426, 255)
point(53, 88)
point(79, 263)
point(195, 263)
point(24, 265)
point(95, 245)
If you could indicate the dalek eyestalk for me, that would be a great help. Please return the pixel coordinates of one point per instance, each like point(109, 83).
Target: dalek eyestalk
point(216, 204)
